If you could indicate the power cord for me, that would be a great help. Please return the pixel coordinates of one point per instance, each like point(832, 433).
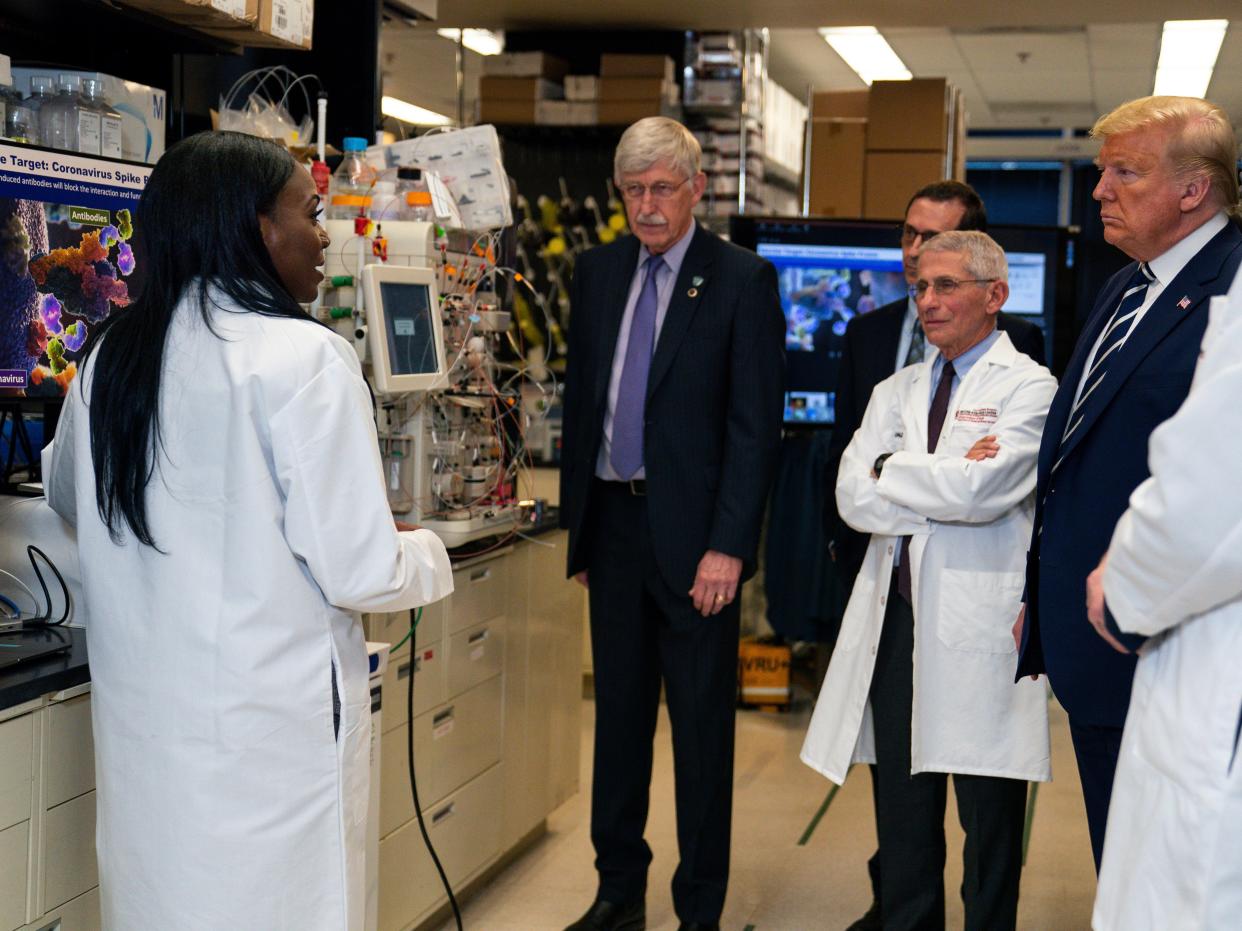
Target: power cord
point(44, 617)
point(409, 747)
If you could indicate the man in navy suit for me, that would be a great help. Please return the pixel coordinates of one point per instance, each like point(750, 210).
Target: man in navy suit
point(672, 421)
point(1168, 180)
point(879, 343)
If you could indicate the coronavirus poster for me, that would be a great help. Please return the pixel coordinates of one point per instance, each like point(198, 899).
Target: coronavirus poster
point(67, 260)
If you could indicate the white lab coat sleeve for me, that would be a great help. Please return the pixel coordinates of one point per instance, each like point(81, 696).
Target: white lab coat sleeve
point(881, 432)
point(337, 519)
point(57, 459)
point(1177, 551)
point(948, 488)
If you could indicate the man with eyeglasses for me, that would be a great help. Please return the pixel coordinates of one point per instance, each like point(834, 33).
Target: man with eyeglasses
point(882, 342)
point(672, 422)
point(940, 475)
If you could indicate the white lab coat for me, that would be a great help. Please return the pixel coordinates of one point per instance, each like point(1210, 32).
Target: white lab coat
point(1173, 850)
point(971, 524)
point(224, 800)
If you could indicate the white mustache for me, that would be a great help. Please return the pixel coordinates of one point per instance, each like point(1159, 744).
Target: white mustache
point(652, 219)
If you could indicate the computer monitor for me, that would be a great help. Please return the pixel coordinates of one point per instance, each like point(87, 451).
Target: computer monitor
point(830, 271)
point(404, 331)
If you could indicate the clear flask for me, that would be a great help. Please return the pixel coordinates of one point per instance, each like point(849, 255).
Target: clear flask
point(90, 118)
point(58, 117)
point(350, 193)
point(21, 124)
point(110, 120)
point(414, 195)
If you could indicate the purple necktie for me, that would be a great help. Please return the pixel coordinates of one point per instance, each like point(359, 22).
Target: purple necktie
point(935, 423)
point(627, 419)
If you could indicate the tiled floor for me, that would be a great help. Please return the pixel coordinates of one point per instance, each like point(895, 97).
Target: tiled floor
point(783, 880)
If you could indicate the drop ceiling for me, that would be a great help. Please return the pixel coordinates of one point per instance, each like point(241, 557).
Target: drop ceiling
point(1021, 65)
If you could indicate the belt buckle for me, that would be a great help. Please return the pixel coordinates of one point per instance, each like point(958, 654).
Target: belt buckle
point(638, 487)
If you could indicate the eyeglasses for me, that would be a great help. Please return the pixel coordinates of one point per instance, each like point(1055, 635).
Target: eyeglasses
point(660, 190)
point(944, 286)
point(908, 234)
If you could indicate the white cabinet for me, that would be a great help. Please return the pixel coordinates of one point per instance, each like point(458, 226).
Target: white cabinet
point(497, 704)
point(48, 868)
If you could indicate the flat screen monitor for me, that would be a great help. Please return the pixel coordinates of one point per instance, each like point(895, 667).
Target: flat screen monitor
point(404, 331)
point(830, 271)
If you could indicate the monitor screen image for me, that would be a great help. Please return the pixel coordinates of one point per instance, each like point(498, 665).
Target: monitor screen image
point(412, 348)
point(830, 271)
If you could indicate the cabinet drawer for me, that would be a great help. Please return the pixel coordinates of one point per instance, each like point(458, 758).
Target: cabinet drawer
point(16, 770)
point(69, 851)
point(14, 864)
point(452, 744)
point(475, 655)
point(82, 914)
point(479, 593)
point(428, 666)
point(465, 830)
point(390, 628)
point(70, 751)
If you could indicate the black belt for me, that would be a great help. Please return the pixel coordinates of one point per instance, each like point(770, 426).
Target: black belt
point(635, 486)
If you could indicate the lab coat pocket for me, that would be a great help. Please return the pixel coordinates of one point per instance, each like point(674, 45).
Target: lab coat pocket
point(977, 610)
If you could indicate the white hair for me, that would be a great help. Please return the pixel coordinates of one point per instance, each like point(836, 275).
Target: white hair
point(657, 139)
point(984, 258)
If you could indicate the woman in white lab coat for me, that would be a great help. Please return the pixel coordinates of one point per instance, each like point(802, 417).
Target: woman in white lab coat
point(218, 458)
point(1173, 573)
point(970, 523)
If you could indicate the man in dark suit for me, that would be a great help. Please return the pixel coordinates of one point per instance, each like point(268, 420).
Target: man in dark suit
point(879, 343)
point(672, 421)
point(1168, 179)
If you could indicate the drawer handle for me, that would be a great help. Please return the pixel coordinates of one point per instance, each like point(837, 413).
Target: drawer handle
point(477, 637)
point(443, 717)
point(481, 575)
point(403, 671)
point(443, 813)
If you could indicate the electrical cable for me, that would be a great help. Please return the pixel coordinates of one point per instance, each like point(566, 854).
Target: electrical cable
point(26, 588)
point(409, 749)
point(45, 620)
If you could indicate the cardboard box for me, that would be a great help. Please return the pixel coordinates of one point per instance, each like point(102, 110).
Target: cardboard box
point(581, 87)
point(279, 24)
point(636, 66)
point(143, 110)
point(624, 112)
point(636, 89)
point(567, 112)
point(838, 162)
point(226, 14)
point(891, 177)
point(526, 65)
point(508, 111)
point(495, 87)
point(837, 105)
point(6, 72)
point(908, 115)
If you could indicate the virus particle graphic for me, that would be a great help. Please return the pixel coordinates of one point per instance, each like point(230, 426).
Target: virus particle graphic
point(83, 278)
point(21, 230)
point(50, 309)
point(125, 224)
point(125, 259)
point(109, 236)
point(75, 336)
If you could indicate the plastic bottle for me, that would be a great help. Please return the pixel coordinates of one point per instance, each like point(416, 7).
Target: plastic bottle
point(41, 91)
point(90, 118)
point(414, 196)
point(21, 124)
point(110, 120)
point(350, 193)
point(58, 117)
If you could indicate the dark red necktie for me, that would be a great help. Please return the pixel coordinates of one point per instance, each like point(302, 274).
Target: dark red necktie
point(935, 423)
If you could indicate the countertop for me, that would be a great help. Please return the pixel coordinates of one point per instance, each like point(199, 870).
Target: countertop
point(27, 681)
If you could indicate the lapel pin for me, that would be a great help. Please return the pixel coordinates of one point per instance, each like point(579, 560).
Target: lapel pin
point(1184, 303)
point(692, 293)
point(696, 280)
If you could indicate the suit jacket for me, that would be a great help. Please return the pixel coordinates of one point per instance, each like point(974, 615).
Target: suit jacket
point(1103, 461)
point(869, 357)
point(715, 401)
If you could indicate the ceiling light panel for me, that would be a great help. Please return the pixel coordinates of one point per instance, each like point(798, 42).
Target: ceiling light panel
point(1188, 50)
point(407, 112)
point(867, 53)
point(480, 41)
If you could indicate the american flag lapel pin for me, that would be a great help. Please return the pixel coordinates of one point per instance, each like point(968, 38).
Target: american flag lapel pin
point(1183, 303)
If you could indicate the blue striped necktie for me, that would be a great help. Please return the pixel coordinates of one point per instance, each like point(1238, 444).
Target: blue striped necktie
point(1119, 329)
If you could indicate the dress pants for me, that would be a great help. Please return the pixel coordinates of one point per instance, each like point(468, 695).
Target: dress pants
point(1097, 750)
point(644, 633)
point(910, 815)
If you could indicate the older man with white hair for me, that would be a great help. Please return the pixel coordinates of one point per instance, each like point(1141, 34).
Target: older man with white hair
point(940, 473)
point(672, 421)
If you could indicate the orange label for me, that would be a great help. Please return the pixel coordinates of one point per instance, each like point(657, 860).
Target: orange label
point(418, 198)
point(350, 200)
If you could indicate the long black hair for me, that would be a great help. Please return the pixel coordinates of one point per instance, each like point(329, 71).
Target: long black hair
point(198, 228)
